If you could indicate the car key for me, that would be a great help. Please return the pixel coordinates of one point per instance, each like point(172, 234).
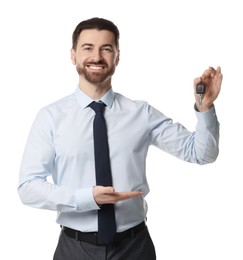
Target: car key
point(200, 90)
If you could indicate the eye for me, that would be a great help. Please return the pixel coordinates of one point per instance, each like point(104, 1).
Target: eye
point(107, 49)
point(87, 48)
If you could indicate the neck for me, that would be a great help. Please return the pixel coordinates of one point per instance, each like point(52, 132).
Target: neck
point(94, 91)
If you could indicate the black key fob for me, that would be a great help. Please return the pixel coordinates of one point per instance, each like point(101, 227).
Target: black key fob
point(200, 88)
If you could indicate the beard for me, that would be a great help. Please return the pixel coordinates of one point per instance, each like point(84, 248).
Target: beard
point(95, 77)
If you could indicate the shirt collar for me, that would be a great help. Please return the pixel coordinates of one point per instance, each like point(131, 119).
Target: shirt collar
point(84, 100)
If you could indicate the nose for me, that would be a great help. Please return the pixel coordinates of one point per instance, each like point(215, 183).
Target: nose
point(96, 55)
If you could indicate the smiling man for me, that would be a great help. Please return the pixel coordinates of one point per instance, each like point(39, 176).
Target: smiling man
point(63, 144)
point(96, 56)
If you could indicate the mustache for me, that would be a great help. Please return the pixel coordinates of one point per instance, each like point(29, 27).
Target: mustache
point(100, 62)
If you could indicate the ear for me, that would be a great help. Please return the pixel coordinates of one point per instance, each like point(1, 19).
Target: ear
point(73, 56)
point(118, 58)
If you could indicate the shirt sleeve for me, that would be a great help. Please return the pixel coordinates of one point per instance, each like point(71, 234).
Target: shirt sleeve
point(200, 146)
point(37, 165)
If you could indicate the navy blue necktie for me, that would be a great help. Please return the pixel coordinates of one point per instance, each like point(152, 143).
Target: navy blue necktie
point(106, 215)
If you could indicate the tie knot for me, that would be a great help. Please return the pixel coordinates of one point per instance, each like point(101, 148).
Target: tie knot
point(97, 106)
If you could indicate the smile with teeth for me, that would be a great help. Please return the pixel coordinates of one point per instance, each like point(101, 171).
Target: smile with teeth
point(96, 67)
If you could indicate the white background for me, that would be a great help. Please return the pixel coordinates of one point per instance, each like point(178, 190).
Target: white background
point(195, 212)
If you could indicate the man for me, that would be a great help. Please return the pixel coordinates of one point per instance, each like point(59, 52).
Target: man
point(61, 144)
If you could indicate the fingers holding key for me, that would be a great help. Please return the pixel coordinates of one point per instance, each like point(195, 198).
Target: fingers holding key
point(212, 80)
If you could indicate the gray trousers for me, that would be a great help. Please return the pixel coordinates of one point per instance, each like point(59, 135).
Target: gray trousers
point(139, 247)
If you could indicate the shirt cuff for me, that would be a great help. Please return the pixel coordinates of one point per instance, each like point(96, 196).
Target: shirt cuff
point(208, 116)
point(85, 200)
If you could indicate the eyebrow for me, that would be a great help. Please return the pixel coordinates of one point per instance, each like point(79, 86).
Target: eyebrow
point(86, 44)
point(90, 44)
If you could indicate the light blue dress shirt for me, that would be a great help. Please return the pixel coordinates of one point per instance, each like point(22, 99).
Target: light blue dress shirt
point(60, 144)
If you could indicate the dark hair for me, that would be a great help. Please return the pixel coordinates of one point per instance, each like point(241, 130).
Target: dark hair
point(95, 23)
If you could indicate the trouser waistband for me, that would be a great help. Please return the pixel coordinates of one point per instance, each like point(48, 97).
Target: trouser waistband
point(93, 238)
